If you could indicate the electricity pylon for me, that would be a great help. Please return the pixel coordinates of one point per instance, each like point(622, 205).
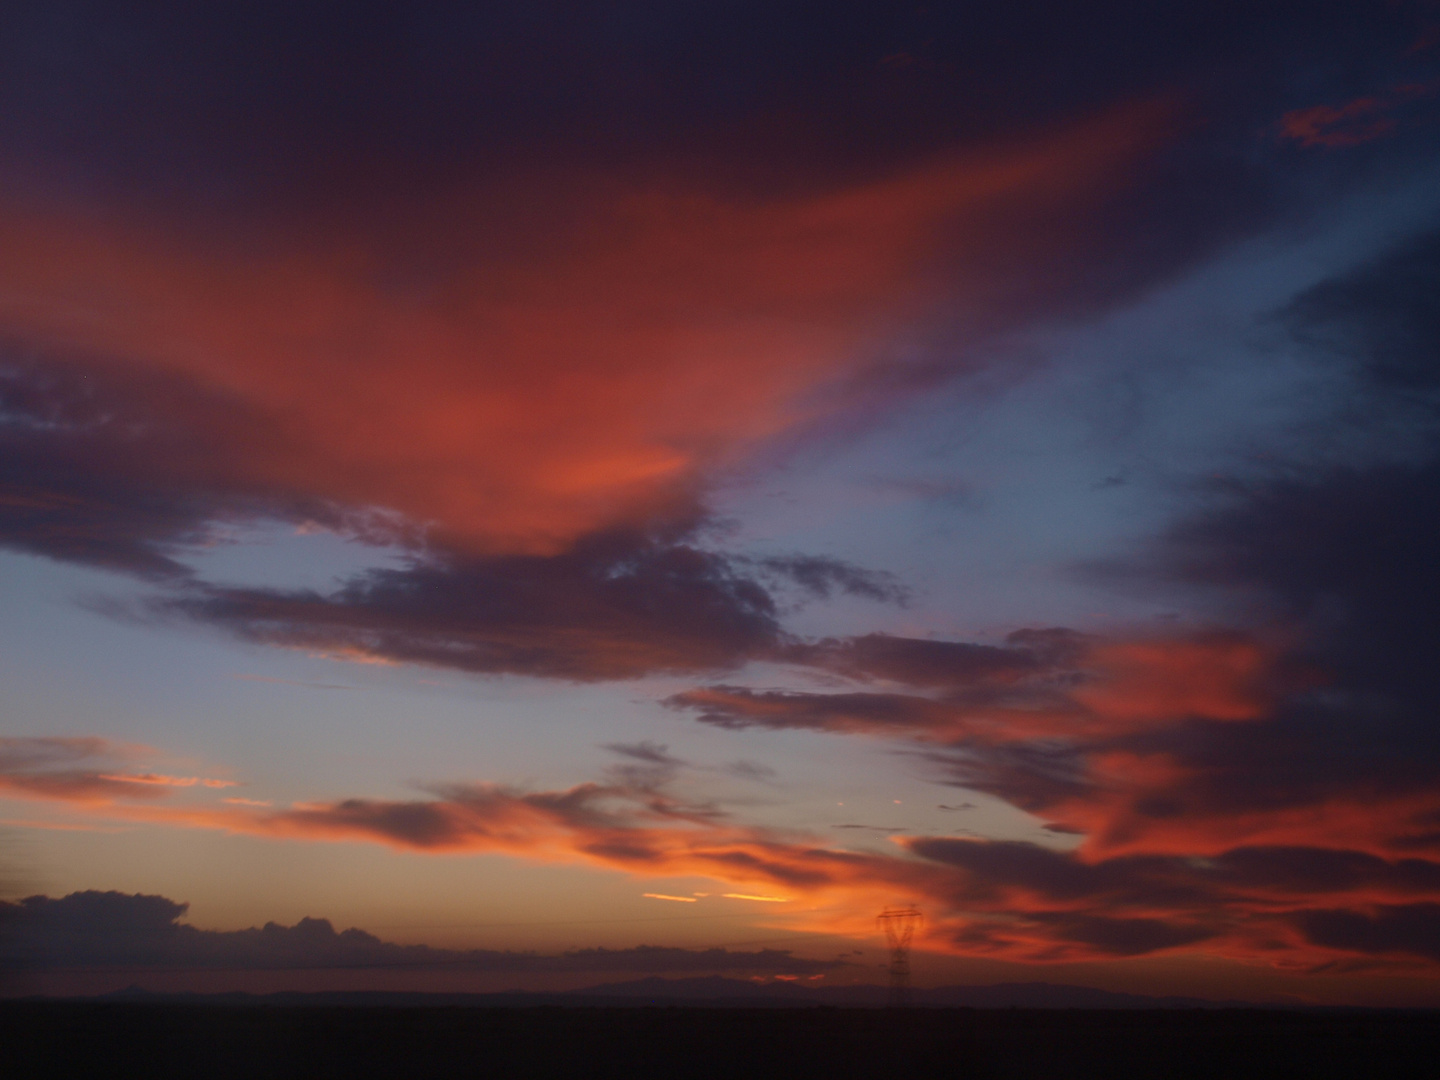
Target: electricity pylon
point(899, 924)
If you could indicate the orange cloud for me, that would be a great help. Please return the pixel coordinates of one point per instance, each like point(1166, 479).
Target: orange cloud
point(79, 787)
point(166, 781)
point(46, 768)
point(514, 375)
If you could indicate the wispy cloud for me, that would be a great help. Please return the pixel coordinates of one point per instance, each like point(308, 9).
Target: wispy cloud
point(47, 768)
point(161, 780)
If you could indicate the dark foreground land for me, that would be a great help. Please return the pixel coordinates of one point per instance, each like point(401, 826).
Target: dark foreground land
point(57, 1039)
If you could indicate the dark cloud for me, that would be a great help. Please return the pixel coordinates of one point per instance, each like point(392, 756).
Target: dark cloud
point(1308, 871)
point(649, 753)
point(1385, 317)
point(115, 930)
point(1133, 905)
point(130, 471)
point(1177, 881)
point(1403, 928)
point(134, 473)
point(824, 577)
point(1034, 669)
point(941, 664)
point(251, 96)
point(736, 707)
point(115, 472)
point(1124, 937)
point(647, 766)
point(750, 770)
point(613, 607)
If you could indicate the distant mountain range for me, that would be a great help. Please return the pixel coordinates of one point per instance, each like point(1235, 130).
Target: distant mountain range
point(714, 992)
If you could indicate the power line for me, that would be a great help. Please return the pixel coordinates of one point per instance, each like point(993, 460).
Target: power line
point(899, 924)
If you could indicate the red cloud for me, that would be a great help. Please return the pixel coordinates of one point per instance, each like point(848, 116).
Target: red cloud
point(513, 376)
point(1147, 682)
point(1355, 122)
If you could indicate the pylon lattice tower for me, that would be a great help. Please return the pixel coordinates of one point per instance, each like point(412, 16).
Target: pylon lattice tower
point(899, 924)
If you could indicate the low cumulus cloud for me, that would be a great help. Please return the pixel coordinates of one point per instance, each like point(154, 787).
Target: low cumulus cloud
point(116, 930)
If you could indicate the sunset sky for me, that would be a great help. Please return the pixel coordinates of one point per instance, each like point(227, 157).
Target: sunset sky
point(587, 491)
